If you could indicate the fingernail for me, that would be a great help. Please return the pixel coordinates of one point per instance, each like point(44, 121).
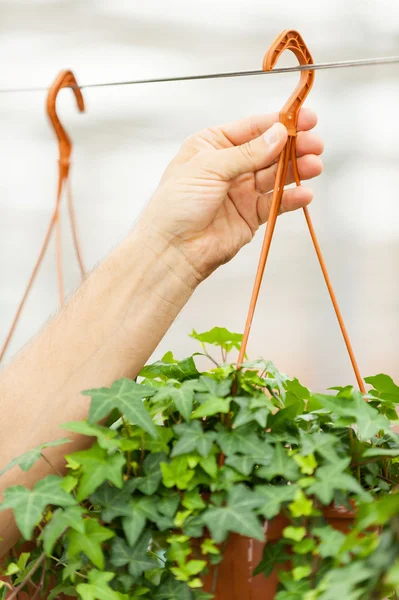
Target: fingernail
point(273, 135)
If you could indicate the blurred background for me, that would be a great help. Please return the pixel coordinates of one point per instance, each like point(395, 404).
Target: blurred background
point(124, 141)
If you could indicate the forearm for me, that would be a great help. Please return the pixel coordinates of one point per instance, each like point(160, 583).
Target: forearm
point(107, 330)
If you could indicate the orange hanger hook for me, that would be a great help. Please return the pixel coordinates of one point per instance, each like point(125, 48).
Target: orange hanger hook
point(64, 79)
point(292, 40)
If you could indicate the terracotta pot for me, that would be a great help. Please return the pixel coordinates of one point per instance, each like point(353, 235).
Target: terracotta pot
point(232, 579)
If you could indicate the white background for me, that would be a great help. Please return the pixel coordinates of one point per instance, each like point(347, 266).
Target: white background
point(128, 134)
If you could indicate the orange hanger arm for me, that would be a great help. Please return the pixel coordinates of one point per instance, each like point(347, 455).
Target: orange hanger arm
point(292, 40)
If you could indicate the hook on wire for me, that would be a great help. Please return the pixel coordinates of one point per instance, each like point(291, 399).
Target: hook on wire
point(292, 40)
point(65, 79)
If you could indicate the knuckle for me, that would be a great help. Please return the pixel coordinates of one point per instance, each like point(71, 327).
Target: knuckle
point(247, 152)
point(254, 129)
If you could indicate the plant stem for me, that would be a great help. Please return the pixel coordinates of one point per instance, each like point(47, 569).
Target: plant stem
point(51, 465)
point(125, 426)
point(33, 570)
point(206, 353)
point(41, 583)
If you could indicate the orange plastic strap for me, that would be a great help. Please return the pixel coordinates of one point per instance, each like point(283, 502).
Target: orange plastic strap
point(292, 40)
point(64, 79)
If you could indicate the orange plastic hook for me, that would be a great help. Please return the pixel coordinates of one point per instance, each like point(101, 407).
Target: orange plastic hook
point(64, 79)
point(292, 40)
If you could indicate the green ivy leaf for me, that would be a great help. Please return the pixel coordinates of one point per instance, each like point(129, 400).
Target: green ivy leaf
point(192, 437)
point(60, 522)
point(98, 466)
point(333, 477)
point(149, 484)
point(136, 558)
point(280, 464)
point(210, 466)
point(168, 504)
point(28, 505)
point(351, 405)
point(297, 592)
point(179, 370)
point(301, 506)
point(26, 460)
point(385, 386)
point(378, 512)
point(294, 387)
point(105, 436)
point(194, 526)
point(307, 464)
point(273, 555)
point(237, 516)
point(62, 588)
point(251, 411)
point(275, 496)
point(304, 546)
point(182, 397)
point(172, 589)
point(320, 443)
point(219, 336)
point(343, 582)
point(213, 405)
point(177, 473)
point(242, 464)
point(243, 440)
point(141, 510)
point(89, 542)
point(193, 501)
point(207, 385)
point(189, 570)
point(331, 540)
point(161, 443)
point(127, 397)
point(294, 533)
point(98, 587)
point(114, 502)
point(274, 379)
point(244, 449)
point(371, 452)
point(301, 572)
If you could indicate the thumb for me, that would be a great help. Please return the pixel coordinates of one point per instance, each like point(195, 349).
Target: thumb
point(251, 156)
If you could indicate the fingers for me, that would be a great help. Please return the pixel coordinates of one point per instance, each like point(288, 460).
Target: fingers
point(309, 146)
point(247, 158)
point(307, 119)
point(239, 132)
point(309, 166)
point(308, 142)
point(292, 199)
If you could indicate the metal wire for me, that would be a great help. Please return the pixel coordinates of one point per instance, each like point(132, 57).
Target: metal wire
point(363, 62)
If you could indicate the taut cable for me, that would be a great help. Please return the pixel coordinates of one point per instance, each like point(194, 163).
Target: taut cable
point(339, 64)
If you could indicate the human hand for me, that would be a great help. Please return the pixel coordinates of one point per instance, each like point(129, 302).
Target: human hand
point(217, 191)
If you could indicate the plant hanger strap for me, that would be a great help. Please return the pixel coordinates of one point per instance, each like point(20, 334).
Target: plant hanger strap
point(292, 40)
point(65, 79)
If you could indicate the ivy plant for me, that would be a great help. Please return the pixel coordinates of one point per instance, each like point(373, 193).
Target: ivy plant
point(182, 458)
